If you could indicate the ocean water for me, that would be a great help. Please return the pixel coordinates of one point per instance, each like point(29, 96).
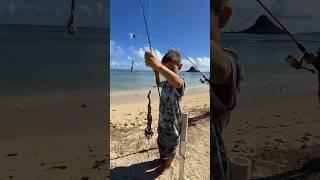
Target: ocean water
point(45, 58)
point(262, 57)
point(124, 80)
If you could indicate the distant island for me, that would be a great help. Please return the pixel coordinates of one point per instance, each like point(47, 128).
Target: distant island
point(192, 69)
point(263, 25)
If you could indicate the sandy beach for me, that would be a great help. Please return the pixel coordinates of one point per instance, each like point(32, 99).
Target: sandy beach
point(131, 153)
point(275, 125)
point(59, 135)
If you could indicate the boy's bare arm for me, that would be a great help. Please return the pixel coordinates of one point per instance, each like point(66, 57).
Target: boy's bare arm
point(173, 78)
point(222, 69)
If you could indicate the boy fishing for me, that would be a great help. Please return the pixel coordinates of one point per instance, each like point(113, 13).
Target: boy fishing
point(316, 62)
point(169, 109)
point(225, 72)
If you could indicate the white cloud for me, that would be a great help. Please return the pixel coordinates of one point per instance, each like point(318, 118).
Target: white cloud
point(140, 52)
point(116, 51)
point(202, 63)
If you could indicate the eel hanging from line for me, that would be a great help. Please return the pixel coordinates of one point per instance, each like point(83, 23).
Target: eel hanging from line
point(148, 131)
point(71, 28)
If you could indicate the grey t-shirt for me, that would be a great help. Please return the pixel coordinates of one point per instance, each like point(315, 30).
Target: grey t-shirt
point(220, 117)
point(169, 119)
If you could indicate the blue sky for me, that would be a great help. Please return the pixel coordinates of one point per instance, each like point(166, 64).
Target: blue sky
point(182, 24)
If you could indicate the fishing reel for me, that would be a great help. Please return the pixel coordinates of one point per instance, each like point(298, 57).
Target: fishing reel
point(296, 64)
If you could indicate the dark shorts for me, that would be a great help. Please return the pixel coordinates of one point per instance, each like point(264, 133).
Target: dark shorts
point(168, 140)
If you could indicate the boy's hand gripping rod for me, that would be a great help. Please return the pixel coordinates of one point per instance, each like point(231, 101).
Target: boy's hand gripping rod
point(299, 45)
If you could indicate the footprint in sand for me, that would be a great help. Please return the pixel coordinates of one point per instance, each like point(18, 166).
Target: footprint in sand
point(300, 122)
point(305, 138)
point(279, 141)
point(277, 115)
point(11, 170)
point(303, 146)
point(260, 127)
point(239, 142)
point(307, 134)
point(284, 125)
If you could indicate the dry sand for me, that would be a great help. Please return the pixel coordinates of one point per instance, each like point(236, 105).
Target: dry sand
point(275, 124)
point(53, 136)
point(131, 153)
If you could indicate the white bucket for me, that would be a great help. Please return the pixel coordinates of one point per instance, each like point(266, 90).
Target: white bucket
point(239, 168)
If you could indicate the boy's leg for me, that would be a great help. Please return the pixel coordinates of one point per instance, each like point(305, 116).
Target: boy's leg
point(160, 160)
point(167, 144)
point(165, 165)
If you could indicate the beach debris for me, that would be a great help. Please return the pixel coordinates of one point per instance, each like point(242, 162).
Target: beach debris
point(63, 167)
point(85, 178)
point(98, 164)
point(148, 131)
point(12, 154)
point(90, 149)
point(83, 105)
point(42, 164)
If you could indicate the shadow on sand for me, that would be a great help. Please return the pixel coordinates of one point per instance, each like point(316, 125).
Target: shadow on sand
point(139, 171)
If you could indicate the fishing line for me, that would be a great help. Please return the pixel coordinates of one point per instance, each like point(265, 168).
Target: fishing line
point(146, 26)
point(150, 10)
point(172, 45)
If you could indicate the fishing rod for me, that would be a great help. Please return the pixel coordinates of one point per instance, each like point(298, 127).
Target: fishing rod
point(299, 45)
point(146, 26)
point(169, 43)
